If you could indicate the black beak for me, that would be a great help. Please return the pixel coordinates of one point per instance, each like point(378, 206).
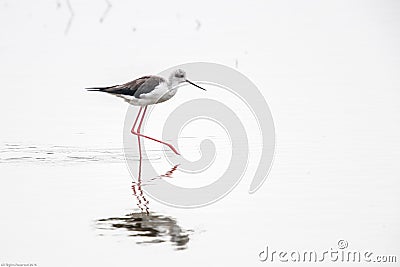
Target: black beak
point(196, 85)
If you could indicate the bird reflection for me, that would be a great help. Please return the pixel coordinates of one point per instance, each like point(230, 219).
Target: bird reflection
point(142, 201)
point(148, 229)
point(145, 226)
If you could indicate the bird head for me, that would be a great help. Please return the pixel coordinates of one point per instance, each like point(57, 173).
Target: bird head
point(179, 76)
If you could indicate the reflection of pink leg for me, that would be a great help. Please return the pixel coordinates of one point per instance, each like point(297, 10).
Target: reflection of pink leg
point(140, 195)
point(137, 132)
point(143, 206)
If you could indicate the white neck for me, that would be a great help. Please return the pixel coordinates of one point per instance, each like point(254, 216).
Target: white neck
point(173, 82)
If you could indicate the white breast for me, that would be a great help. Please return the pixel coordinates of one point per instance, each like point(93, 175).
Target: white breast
point(160, 94)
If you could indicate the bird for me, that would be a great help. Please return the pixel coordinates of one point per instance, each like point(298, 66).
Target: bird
point(145, 91)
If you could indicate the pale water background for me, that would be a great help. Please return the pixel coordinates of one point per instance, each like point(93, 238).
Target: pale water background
point(329, 71)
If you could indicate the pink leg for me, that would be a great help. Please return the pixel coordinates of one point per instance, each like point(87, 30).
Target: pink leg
point(140, 159)
point(137, 132)
point(140, 149)
point(137, 117)
point(141, 120)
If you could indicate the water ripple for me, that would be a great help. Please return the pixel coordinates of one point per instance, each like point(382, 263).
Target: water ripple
point(54, 154)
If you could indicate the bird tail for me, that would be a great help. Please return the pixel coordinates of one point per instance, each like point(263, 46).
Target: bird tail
point(99, 89)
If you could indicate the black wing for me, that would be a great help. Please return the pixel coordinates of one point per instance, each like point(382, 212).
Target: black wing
point(128, 88)
point(149, 85)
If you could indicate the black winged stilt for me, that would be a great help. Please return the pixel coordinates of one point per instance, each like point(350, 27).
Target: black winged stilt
point(148, 90)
